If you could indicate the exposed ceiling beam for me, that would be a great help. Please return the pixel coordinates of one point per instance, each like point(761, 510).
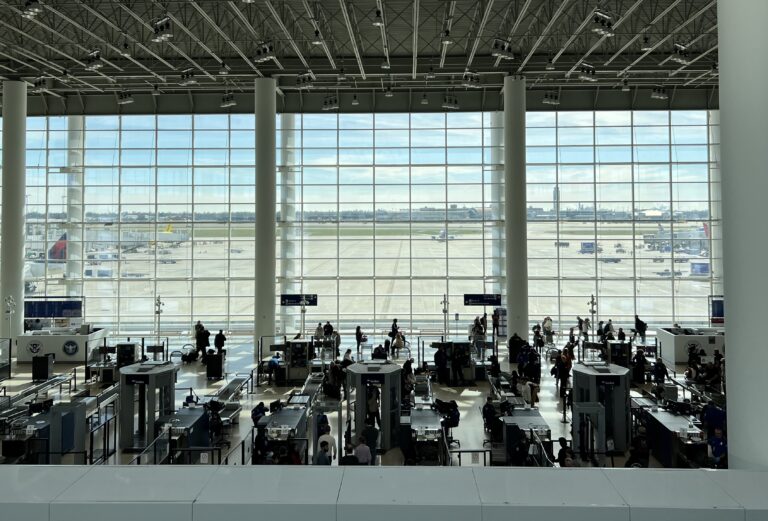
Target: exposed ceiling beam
point(693, 42)
point(169, 44)
point(248, 27)
point(512, 31)
point(574, 35)
point(644, 30)
point(447, 23)
point(288, 35)
point(224, 36)
point(479, 35)
point(699, 77)
point(543, 35)
point(313, 18)
point(600, 41)
point(383, 29)
point(136, 42)
point(670, 35)
point(352, 36)
point(697, 58)
point(415, 44)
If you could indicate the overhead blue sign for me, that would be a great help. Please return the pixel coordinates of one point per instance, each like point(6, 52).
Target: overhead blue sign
point(296, 300)
point(482, 299)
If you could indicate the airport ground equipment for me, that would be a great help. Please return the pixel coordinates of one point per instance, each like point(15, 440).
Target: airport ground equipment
point(606, 385)
point(384, 375)
point(150, 385)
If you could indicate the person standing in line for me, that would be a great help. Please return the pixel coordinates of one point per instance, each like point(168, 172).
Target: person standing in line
point(328, 439)
point(495, 320)
point(484, 323)
point(218, 341)
point(362, 451)
point(321, 458)
point(349, 457)
point(319, 333)
point(359, 338)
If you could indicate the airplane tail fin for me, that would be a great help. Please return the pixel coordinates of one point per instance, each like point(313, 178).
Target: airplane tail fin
point(59, 249)
point(706, 231)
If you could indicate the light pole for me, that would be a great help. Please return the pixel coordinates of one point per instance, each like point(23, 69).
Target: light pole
point(444, 302)
point(10, 310)
point(158, 311)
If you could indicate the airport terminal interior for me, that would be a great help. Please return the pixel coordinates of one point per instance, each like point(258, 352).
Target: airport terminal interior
point(250, 247)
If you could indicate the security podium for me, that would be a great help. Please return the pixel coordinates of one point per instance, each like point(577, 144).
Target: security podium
point(151, 386)
point(364, 378)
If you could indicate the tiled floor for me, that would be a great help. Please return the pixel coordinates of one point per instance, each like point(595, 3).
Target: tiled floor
point(240, 359)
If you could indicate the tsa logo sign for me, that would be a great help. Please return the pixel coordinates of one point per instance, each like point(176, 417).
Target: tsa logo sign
point(70, 347)
point(34, 347)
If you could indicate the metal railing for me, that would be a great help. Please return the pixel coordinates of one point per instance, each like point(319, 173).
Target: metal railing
point(242, 453)
point(459, 452)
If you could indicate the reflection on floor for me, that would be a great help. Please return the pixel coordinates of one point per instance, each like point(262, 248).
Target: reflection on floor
point(240, 359)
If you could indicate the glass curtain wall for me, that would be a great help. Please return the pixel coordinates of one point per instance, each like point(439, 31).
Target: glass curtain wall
point(381, 215)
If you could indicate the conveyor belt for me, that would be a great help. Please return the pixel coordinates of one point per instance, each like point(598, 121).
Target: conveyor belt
point(33, 390)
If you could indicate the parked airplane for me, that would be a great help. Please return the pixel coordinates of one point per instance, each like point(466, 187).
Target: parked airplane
point(443, 236)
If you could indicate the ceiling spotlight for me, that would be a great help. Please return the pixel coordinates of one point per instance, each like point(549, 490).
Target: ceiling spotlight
point(625, 85)
point(187, 78)
point(471, 80)
point(431, 74)
point(587, 73)
point(355, 101)
point(156, 90)
point(32, 8)
point(680, 54)
point(305, 81)
point(162, 30)
point(446, 39)
point(502, 49)
point(93, 61)
point(125, 50)
point(224, 69)
point(646, 45)
point(551, 98)
point(249, 1)
point(317, 40)
point(342, 76)
point(378, 21)
point(386, 65)
point(550, 65)
point(124, 98)
point(450, 102)
point(227, 101)
point(424, 99)
point(38, 85)
point(265, 51)
point(331, 103)
point(659, 93)
point(603, 24)
point(388, 93)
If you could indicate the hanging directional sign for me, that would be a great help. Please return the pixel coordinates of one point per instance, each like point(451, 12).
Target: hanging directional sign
point(482, 299)
point(295, 300)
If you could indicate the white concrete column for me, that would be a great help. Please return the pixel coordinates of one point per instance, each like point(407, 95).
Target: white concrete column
point(497, 200)
point(265, 94)
point(744, 153)
point(290, 255)
point(74, 226)
point(515, 213)
point(13, 199)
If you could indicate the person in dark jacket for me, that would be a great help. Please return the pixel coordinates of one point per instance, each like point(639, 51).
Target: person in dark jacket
point(441, 363)
point(641, 327)
point(218, 341)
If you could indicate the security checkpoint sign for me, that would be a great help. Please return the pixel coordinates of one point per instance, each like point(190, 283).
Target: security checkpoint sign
point(482, 299)
point(295, 300)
